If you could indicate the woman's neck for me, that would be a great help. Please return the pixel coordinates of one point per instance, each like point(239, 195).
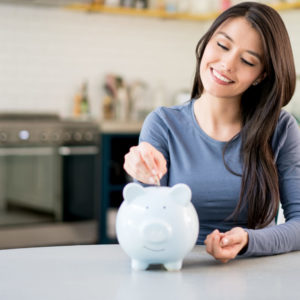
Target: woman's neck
point(219, 118)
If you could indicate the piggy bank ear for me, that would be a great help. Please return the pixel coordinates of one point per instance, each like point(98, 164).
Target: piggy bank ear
point(181, 193)
point(132, 190)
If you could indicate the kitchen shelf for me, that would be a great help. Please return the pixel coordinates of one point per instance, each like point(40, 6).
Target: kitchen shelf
point(97, 8)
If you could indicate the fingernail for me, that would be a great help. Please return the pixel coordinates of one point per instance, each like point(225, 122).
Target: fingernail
point(225, 241)
point(154, 172)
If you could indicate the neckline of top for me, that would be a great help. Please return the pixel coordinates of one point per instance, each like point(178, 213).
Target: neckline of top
point(202, 132)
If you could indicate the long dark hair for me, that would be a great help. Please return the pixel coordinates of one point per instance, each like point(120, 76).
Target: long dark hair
point(260, 107)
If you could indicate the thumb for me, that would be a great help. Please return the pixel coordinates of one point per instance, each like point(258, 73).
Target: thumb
point(230, 239)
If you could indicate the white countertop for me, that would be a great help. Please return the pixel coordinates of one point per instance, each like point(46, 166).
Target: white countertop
point(120, 127)
point(103, 272)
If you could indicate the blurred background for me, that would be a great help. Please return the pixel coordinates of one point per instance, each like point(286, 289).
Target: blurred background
point(77, 80)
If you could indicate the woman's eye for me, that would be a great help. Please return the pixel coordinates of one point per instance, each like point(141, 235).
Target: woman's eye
point(247, 62)
point(222, 46)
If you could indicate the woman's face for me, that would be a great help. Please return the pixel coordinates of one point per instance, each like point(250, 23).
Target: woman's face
point(232, 59)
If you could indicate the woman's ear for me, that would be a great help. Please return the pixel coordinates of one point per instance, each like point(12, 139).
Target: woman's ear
point(260, 78)
point(263, 76)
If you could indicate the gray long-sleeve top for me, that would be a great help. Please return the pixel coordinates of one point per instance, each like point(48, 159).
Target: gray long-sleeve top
point(195, 158)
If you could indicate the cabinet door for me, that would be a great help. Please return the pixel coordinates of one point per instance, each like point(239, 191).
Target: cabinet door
point(113, 179)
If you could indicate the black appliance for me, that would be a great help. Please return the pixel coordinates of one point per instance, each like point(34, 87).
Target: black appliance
point(49, 165)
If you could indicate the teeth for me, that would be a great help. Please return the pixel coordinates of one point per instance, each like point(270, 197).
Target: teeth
point(221, 77)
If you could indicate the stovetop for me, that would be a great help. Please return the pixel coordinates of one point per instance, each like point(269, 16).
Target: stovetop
point(27, 129)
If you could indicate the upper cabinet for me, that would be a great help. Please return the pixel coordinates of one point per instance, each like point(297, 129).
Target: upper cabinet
point(163, 14)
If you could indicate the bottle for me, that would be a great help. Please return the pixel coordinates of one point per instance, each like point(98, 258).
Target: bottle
point(127, 3)
point(183, 6)
point(107, 108)
point(141, 4)
point(114, 3)
point(138, 98)
point(76, 107)
point(160, 4)
point(122, 104)
point(171, 6)
point(152, 4)
point(84, 103)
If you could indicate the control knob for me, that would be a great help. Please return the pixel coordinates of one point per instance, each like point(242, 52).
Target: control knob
point(77, 136)
point(44, 136)
point(67, 136)
point(55, 136)
point(3, 136)
point(88, 136)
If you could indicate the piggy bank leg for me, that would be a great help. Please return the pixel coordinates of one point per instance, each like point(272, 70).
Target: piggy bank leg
point(138, 265)
point(173, 266)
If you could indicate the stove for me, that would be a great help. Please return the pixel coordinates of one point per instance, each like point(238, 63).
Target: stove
point(49, 165)
point(45, 129)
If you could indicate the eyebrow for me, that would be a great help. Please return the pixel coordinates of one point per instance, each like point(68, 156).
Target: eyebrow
point(249, 51)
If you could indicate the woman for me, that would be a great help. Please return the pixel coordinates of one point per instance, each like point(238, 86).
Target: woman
point(232, 143)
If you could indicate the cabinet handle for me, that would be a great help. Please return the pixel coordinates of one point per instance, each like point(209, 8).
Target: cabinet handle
point(84, 150)
point(28, 151)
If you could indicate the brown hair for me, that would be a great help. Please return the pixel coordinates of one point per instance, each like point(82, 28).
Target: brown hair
point(260, 106)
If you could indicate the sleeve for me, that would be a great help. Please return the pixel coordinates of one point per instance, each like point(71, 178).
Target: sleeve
point(155, 132)
point(284, 237)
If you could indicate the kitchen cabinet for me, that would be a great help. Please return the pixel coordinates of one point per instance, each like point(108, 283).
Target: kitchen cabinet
point(116, 139)
point(98, 8)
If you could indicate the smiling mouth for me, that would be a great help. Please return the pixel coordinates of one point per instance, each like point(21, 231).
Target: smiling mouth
point(154, 250)
point(220, 77)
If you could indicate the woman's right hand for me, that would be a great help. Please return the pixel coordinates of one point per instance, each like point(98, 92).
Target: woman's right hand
point(145, 163)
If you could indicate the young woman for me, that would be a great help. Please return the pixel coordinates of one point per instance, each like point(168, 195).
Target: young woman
point(232, 143)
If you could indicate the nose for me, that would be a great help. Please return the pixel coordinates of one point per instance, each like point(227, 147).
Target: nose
point(228, 62)
point(156, 232)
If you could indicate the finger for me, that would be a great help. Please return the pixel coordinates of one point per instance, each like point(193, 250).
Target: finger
point(135, 166)
point(218, 252)
point(230, 240)
point(148, 156)
point(209, 241)
point(140, 173)
point(154, 159)
point(216, 246)
point(161, 164)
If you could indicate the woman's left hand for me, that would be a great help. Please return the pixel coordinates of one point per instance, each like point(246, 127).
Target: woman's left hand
point(226, 246)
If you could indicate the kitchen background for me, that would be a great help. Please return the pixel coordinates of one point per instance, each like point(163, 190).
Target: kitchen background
point(50, 54)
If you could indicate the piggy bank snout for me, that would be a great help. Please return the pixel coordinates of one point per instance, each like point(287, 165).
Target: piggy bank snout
point(156, 232)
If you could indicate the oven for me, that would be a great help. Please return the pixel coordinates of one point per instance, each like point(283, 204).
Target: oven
point(49, 169)
point(80, 167)
point(80, 182)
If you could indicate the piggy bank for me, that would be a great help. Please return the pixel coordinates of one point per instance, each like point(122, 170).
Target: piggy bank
point(157, 225)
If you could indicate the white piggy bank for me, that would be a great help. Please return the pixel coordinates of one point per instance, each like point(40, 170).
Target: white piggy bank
point(157, 225)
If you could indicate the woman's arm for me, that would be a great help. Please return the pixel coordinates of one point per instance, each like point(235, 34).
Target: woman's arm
point(273, 239)
point(284, 237)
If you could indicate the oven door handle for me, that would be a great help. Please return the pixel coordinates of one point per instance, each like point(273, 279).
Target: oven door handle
point(27, 151)
point(78, 150)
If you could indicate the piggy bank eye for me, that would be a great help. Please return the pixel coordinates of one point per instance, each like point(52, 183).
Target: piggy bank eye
point(147, 207)
point(164, 207)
